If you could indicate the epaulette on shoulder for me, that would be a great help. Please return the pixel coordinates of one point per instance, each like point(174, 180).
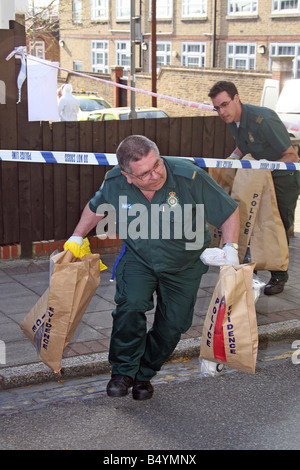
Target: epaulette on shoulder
point(188, 171)
point(113, 173)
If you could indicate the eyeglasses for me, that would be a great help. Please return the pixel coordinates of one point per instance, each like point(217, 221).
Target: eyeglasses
point(157, 168)
point(223, 105)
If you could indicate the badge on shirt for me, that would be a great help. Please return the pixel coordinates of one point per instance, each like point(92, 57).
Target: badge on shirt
point(172, 199)
point(251, 138)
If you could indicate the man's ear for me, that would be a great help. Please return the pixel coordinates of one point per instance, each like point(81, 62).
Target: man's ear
point(236, 98)
point(127, 176)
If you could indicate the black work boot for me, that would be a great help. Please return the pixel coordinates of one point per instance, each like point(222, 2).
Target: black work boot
point(142, 390)
point(275, 285)
point(118, 385)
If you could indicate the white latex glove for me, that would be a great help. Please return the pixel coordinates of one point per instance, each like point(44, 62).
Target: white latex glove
point(220, 257)
point(74, 244)
point(234, 156)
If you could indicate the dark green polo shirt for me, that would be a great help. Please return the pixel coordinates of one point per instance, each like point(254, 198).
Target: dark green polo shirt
point(261, 133)
point(164, 248)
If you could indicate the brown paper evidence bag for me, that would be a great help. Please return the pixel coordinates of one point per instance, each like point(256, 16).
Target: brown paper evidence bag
point(230, 329)
point(261, 225)
point(52, 321)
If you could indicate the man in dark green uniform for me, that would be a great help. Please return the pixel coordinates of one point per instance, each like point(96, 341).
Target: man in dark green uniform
point(161, 255)
point(260, 132)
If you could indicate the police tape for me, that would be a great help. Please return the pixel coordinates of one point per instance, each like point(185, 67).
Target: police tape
point(20, 51)
point(110, 159)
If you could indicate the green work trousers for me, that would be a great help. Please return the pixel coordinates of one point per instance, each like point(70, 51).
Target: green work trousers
point(134, 351)
point(287, 189)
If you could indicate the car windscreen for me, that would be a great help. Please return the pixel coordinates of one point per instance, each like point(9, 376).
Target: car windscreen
point(87, 104)
point(145, 115)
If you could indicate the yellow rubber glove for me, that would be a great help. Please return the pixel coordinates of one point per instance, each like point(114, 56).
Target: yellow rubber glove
point(74, 245)
point(86, 250)
point(102, 266)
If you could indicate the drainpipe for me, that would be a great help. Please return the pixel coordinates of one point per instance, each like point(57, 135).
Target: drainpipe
point(214, 35)
point(153, 51)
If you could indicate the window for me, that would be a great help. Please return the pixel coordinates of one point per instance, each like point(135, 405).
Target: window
point(164, 9)
point(240, 56)
point(77, 65)
point(100, 56)
point(194, 8)
point(99, 10)
point(123, 55)
point(193, 54)
point(287, 49)
point(123, 9)
point(163, 54)
point(239, 7)
point(77, 13)
point(288, 6)
point(37, 49)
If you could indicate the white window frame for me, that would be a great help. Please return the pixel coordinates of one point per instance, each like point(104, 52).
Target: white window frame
point(187, 54)
point(99, 10)
point(236, 56)
point(279, 6)
point(278, 49)
point(77, 65)
point(123, 9)
point(38, 49)
point(77, 11)
point(164, 9)
point(194, 8)
point(235, 7)
point(99, 50)
point(123, 56)
point(164, 54)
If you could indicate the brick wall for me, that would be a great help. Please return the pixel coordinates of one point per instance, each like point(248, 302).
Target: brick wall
point(185, 83)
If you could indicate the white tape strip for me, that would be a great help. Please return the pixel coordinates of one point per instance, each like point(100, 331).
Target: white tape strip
point(84, 158)
point(192, 104)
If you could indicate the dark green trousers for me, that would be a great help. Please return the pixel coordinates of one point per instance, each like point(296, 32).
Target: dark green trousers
point(287, 190)
point(134, 351)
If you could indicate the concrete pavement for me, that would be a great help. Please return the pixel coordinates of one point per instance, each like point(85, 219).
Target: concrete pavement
point(22, 282)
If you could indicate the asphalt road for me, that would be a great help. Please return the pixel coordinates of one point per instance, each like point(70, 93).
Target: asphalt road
point(188, 412)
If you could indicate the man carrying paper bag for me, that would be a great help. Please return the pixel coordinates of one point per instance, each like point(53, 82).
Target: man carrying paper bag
point(53, 320)
point(259, 131)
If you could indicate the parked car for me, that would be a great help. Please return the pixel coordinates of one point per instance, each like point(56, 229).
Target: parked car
point(123, 114)
point(88, 103)
point(286, 104)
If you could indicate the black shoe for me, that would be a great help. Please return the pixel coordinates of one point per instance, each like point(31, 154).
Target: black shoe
point(275, 285)
point(118, 385)
point(142, 390)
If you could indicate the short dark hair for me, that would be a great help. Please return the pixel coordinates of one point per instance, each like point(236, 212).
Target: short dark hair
point(220, 86)
point(132, 149)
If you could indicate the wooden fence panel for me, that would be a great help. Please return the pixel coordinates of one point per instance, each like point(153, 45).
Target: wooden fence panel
point(163, 136)
point(37, 208)
point(186, 137)
point(43, 201)
point(175, 130)
point(197, 136)
point(48, 192)
point(150, 129)
point(59, 184)
point(10, 202)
